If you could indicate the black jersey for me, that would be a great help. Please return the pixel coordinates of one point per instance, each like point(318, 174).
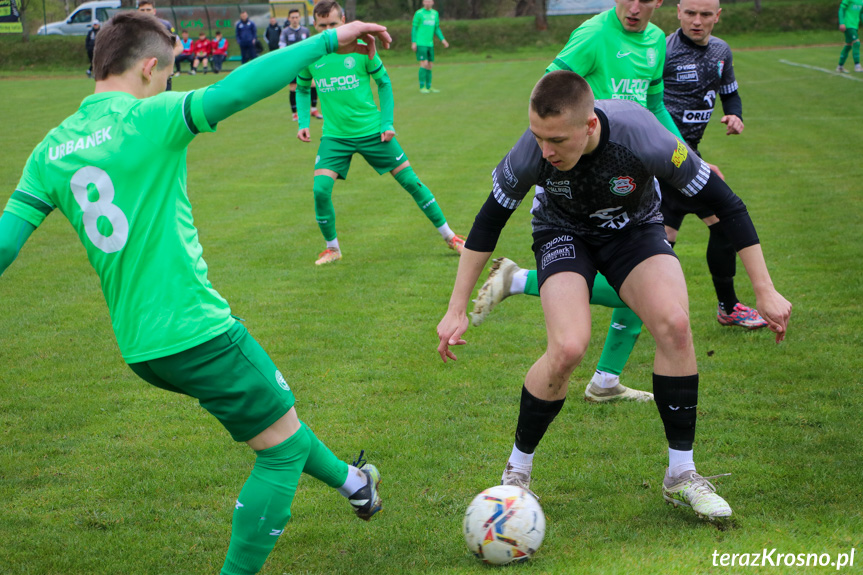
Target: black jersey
point(610, 189)
point(695, 76)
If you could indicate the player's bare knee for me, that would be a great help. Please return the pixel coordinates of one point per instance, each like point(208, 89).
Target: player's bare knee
point(673, 331)
point(564, 358)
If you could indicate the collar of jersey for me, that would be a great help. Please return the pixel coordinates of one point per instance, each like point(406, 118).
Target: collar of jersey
point(603, 133)
point(685, 39)
point(94, 98)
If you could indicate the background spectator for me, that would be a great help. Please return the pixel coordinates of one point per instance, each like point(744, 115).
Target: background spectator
point(186, 55)
point(220, 51)
point(247, 37)
point(202, 48)
point(272, 34)
point(90, 43)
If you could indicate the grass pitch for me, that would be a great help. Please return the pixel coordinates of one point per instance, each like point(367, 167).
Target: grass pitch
point(102, 474)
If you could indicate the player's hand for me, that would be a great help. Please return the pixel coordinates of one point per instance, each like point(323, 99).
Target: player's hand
point(357, 30)
point(414, 46)
point(449, 332)
point(387, 136)
point(445, 43)
point(734, 125)
point(304, 135)
point(776, 310)
point(841, 27)
point(715, 169)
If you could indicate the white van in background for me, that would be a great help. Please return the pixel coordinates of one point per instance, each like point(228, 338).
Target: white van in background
point(81, 20)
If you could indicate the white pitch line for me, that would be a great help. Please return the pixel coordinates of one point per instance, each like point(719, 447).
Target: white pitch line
point(825, 70)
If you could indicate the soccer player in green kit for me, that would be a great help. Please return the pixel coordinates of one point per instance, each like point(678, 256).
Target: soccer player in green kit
point(849, 23)
point(621, 55)
point(353, 124)
point(117, 170)
point(426, 26)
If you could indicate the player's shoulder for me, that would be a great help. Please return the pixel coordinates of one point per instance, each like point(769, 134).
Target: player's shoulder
point(653, 34)
point(629, 123)
point(716, 42)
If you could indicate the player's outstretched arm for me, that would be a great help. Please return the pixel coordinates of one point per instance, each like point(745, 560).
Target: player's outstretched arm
point(770, 304)
point(14, 231)
point(455, 322)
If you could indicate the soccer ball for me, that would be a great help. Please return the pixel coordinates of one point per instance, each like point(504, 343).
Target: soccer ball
point(504, 524)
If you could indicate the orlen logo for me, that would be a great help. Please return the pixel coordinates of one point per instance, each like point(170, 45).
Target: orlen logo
point(697, 116)
point(348, 82)
point(622, 186)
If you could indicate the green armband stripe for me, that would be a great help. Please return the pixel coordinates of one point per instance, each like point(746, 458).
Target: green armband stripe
point(193, 113)
point(656, 82)
point(187, 114)
point(376, 70)
point(304, 79)
point(561, 64)
point(32, 201)
point(28, 213)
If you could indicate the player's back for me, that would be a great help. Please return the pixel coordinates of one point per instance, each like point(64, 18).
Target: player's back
point(117, 170)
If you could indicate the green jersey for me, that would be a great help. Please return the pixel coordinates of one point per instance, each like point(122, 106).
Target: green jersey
point(618, 65)
point(344, 90)
point(849, 13)
point(117, 170)
point(426, 26)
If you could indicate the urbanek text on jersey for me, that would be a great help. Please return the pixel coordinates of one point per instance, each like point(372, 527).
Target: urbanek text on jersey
point(95, 139)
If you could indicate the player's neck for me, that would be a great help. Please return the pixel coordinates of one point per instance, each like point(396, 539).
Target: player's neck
point(130, 82)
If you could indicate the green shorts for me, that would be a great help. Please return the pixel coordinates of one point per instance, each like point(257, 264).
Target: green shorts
point(335, 154)
point(850, 35)
point(231, 376)
point(425, 53)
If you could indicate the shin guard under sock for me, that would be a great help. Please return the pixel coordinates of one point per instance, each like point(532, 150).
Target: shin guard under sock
point(408, 179)
point(263, 507)
point(622, 334)
point(534, 417)
point(325, 213)
point(321, 463)
point(677, 401)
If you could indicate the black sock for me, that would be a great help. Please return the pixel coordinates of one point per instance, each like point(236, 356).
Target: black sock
point(722, 263)
point(294, 102)
point(677, 401)
point(534, 417)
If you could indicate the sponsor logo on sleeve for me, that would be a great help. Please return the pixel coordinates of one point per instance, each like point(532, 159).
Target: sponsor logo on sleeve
point(508, 173)
point(622, 186)
point(679, 154)
point(280, 379)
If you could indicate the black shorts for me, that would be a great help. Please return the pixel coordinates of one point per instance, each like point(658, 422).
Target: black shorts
point(615, 258)
point(675, 206)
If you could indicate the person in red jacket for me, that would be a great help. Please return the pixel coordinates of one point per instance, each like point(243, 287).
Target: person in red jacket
point(202, 48)
point(220, 51)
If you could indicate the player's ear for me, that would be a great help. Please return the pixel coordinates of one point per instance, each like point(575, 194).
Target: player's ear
point(149, 67)
point(592, 124)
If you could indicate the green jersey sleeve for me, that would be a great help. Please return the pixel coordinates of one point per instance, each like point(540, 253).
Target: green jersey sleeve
point(578, 55)
point(378, 72)
point(31, 201)
point(183, 118)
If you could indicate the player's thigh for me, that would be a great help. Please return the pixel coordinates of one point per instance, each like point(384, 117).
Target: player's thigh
point(382, 156)
point(335, 154)
point(566, 305)
point(233, 378)
point(649, 278)
point(565, 275)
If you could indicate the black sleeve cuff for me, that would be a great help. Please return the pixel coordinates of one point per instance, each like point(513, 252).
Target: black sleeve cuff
point(487, 226)
point(732, 105)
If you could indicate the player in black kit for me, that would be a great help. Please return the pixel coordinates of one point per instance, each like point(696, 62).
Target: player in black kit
point(698, 71)
point(599, 212)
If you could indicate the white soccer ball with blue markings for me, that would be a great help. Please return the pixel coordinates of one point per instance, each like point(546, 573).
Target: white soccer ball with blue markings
point(504, 524)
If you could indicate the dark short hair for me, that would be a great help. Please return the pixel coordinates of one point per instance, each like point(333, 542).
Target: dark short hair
point(324, 7)
point(292, 10)
point(127, 38)
point(150, 2)
point(218, 32)
point(559, 91)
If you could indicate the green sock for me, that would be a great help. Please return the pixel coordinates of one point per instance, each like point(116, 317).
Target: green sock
point(531, 285)
point(422, 77)
point(844, 54)
point(325, 213)
point(408, 179)
point(855, 52)
point(622, 334)
point(263, 507)
point(321, 463)
point(428, 78)
point(603, 294)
